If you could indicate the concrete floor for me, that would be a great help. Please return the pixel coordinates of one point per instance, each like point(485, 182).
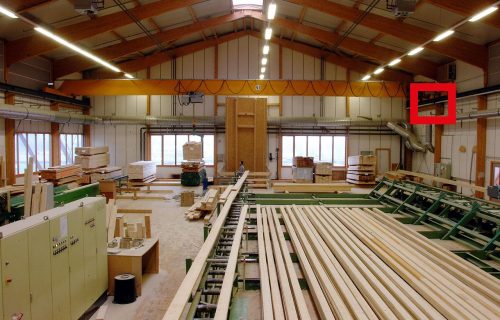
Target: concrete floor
point(179, 239)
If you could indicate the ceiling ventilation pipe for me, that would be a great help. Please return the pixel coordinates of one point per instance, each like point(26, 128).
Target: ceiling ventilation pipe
point(411, 140)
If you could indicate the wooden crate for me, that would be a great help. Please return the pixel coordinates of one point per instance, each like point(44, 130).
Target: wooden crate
point(322, 179)
point(323, 168)
point(303, 162)
point(362, 160)
point(246, 134)
point(192, 151)
point(187, 198)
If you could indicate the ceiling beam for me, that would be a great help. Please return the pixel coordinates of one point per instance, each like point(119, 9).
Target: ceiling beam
point(37, 44)
point(161, 57)
point(453, 47)
point(346, 62)
point(468, 8)
point(233, 87)
point(25, 5)
point(412, 64)
point(78, 63)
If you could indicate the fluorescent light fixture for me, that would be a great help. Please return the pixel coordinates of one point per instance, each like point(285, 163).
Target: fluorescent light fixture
point(378, 71)
point(263, 69)
point(76, 49)
point(415, 51)
point(483, 14)
point(264, 61)
point(261, 77)
point(265, 49)
point(394, 62)
point(444, 35)
point(8, 13)
point(128, 75)
point(268, 34)
point(271, 11)
point(367, 77)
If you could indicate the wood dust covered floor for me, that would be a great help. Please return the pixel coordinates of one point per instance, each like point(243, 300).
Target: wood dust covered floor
point(179, 239)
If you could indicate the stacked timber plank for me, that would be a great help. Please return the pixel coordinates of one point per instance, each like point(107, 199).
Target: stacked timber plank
point(92, 157)
point(303, 169)
point(141, 170)
point(361, 170)
point(60, 175)
point(192, 166)
point(323, 172)
point(205, 206)
point(258, 180)
point(363, 264)
point(98, 174)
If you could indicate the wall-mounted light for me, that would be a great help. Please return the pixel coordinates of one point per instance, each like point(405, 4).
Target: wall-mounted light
point(268, 33)
point(264, 61)
point(265, 49)
point(271, 11)
point(415, 51)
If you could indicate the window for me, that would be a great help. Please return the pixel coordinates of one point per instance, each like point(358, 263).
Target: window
point(35, 145)
point(248, 4)
point(321, 148)
point(167, 149)
point(68, 144)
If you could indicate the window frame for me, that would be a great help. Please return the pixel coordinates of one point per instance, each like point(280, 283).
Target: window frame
point(73, 146)
point(307, 148)
point(47, 146)
point(175, 151)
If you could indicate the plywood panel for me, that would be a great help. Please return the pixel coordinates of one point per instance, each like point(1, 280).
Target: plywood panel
point(246, 134)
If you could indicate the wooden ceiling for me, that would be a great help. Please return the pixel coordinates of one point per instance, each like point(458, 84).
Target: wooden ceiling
point(314, 27)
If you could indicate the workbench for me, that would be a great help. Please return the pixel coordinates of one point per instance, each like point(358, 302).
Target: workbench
point(136, 261)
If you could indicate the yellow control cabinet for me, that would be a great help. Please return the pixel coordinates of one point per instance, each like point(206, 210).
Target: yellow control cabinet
point(15, 283)
point(54, 265)
point(40, 274)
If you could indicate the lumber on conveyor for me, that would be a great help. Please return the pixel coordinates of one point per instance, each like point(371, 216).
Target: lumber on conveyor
point(193, 277)
point(363, 264)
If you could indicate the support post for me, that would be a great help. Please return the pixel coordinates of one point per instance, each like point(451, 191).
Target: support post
point(438, 135)
point(86, 131)
point(55, 139)
point(481, 145)
point(10, 145)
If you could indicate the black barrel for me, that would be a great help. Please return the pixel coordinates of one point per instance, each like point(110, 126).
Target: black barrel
point(124, 289)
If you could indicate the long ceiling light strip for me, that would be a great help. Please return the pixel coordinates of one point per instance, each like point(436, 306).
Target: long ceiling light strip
point(268, 33)
point(66, 43)
point(438, 38)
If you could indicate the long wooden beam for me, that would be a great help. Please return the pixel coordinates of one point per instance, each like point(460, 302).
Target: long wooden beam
point(37, 44)
point(78, 63)
point(233, 87)
point(413, 64)
point(454, 47)
point(468, 8)
point(10, 143)
point(194, 274)
point(481, 137)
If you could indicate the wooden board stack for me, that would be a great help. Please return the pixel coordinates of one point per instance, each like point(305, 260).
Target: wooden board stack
point(59, 175)
point(258, 180)
point(323, 172)
point(361, 170)
point(192, 166)
point(204, 206)
point(141, 170)
point(92, 157)
point(106, 173)
point(363, 264)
